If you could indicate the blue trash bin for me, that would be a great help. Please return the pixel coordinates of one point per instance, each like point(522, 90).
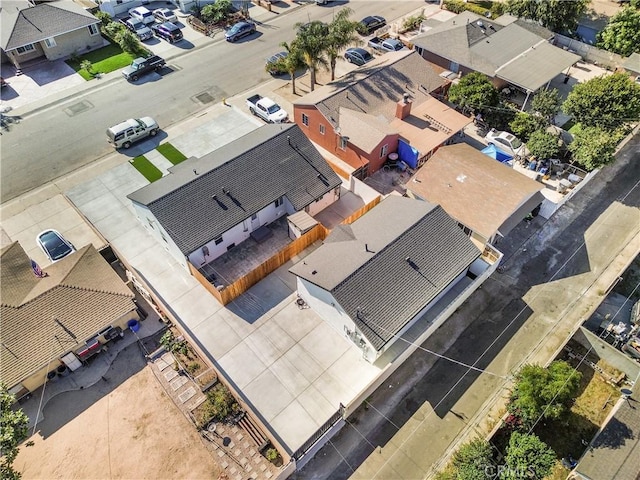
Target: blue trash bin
point(134, 325)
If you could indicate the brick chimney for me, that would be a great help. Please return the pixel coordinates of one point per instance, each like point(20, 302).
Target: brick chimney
point(403, 107)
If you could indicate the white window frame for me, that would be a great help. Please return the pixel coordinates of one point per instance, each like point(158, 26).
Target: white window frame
point(50, 42)
point(93, 29)
point(322, 129)
point(305, 119)
point(25, 49)
point(343, 143)
point(384, 150)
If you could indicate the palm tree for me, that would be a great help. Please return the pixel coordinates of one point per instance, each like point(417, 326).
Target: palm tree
point(290, 64)
point(342, 33)
point(311, 41)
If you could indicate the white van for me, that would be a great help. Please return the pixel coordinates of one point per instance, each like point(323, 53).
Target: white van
point(143, 14)
point(131, 131)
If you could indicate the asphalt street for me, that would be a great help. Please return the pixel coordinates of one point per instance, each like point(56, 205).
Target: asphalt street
point(69, 134)
point(412, 423)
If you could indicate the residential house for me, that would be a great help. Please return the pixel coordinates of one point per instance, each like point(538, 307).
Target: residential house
point(122, 7)
point(373, 279)
point(207, 206)
point(52, 30)
point(57, 316)
point(486, 197)
point(387, 107)
point(508, 50)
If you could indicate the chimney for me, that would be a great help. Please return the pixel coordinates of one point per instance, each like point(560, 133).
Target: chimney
point(403, 107)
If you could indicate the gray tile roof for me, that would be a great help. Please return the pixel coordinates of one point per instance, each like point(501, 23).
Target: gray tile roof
point(364, 265)
point(23, 24)
point(516, 51)
point(257, 169)
point(612, 454)
point(376, 88)
point(82, 291)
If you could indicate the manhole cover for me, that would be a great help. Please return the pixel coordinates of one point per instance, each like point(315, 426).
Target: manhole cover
point(205, 97)
point(79, 107)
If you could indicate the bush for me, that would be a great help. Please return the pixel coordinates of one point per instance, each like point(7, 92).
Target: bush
point(217, 12)
point(104, 17)
point(455, 6)
point(497, 9)
point(222, 402)
point(413, 22)
point(86, 65)
point(272, 454)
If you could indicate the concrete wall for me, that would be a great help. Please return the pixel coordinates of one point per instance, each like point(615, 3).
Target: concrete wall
point(588, 52)
point(606, 352)
point(323, 202)
point(79, 41)
point(361, 189)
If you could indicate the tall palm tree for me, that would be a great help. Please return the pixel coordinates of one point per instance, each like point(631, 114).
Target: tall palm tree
point(342, 33)
point(290, 64)
point(311, 41)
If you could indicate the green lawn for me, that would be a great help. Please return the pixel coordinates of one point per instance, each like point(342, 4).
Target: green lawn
point(171, 153)
point(146, 168)
point(104, 60)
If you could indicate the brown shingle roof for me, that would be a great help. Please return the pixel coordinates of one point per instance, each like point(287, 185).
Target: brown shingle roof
point(365, 131)
point(81, 291)
point(473, 188)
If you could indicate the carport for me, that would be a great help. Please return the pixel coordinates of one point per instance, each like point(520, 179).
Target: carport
point(537, 67)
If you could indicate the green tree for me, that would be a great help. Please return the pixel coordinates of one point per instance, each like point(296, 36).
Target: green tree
point(543, 392)
point(622, 34)
point(311, 41)
point(543, 145)
point(607, 101)
point(524, 125)
point(474, 91)
point(593, 147)
point(290, 64)
point(104, 17)
point(527, 457)
point(473, 460)
point(13, 430)
point(547, 104)
point(129, 42)
point(556, 15)
point(113, 29)
point(216, 12)
point(342, 33)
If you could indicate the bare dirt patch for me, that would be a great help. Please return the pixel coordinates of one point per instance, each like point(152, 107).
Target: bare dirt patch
point(133, 431)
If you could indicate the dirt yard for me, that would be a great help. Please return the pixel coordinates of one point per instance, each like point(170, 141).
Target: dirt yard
point(130, 431)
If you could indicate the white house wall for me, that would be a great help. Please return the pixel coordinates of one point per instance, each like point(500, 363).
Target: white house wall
point(158, 232)
point(327, 199)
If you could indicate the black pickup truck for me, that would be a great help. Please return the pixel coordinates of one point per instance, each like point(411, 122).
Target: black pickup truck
point(141, 65)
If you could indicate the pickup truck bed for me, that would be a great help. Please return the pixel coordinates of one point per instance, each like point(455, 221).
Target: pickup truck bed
point(386, 44)
point(266, 109)
point(141, 66)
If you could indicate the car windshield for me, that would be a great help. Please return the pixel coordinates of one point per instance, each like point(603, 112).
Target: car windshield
point(366, 56)
point(55, 246)
point(515, 143)
point(273, 108)
point(236, 28)
point(146, 14)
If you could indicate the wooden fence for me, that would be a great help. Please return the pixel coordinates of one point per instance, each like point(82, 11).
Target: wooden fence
point(358, 213)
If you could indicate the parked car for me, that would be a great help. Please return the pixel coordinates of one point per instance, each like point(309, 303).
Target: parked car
point(132, 130)
point(143, 14)
point(386, 45)
point(142, 65)
point(371, 23)
point(357, 56)
point(138, 27)
point(266, 109)
point(322, 2)
point(273, 59)
point(168, 31)
point(507, 141)
point(164, 15)
point(239, 30)
point(54, 245)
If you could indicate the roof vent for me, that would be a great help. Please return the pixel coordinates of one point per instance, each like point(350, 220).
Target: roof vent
point(195, 172)
point(314, 272)
point(480, 24)
point(461, 178)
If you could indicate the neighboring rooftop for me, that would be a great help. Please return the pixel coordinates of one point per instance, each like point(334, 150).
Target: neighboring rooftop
point(23, 24)
point(476, 190)
point(389, 264)
point(81, 292)
point(375, 88)
point(203, 198)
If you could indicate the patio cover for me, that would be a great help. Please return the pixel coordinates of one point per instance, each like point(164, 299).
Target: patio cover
point(537, 66)
point(497, 154)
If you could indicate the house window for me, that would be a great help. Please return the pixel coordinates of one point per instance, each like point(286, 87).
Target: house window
point(218, 240)
point(343, 143)
point(25, 49)
point(93, 29)
point(321, 129)
point(279, 202)
point(466, 230)
point(384, 150)
point(50, 42)
point(305, 120)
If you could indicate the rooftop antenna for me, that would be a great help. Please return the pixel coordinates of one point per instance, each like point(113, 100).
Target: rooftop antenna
point(288, 139)
point(195, 172)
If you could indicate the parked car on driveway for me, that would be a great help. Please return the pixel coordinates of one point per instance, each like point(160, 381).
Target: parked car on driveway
point(54, 245)
point(138, 27)
point(357, 56)
point(372, 23)
point(239, 30)
point(273, 59)
point(167, 31)
point(164, 15)
point(507, 141)
point(143, 14)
